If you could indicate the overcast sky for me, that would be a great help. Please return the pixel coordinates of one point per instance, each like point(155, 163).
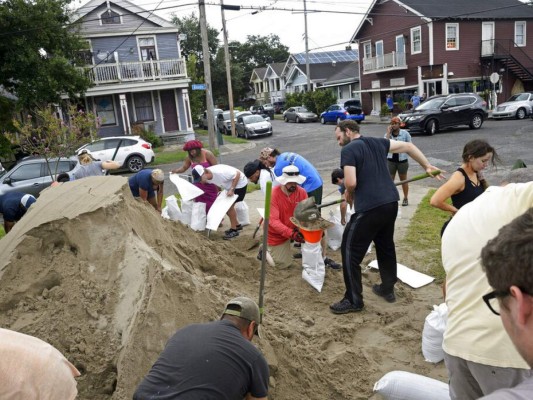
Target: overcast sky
point(330, 24)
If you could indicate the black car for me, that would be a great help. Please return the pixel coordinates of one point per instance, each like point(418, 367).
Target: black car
point(446, 111)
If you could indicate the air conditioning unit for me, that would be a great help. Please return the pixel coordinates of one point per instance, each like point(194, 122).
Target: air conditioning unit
point(149, 126)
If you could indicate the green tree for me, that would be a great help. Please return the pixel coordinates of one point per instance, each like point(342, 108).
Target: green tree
point(39, 52)
point(321, 100)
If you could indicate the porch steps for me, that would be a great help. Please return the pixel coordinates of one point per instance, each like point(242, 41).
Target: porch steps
point(170, 138)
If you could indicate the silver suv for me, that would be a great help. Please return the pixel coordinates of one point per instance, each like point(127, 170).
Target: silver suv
point(518, 106)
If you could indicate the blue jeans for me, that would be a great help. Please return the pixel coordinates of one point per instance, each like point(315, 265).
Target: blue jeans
point(375, 225)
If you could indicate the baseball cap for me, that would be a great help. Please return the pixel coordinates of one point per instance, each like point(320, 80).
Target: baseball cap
point(197, 173)
point(251, 167)
point(244, 307)
point(27, 200)
point(158, 175)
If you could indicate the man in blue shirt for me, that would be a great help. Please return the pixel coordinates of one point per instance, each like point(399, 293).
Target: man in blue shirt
point(145, 183)
point(390, 103)
point(398, 162)
point(415, 100)
point(13, 206)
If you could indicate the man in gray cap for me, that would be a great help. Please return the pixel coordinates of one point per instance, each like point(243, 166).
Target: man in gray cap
point(211, 361)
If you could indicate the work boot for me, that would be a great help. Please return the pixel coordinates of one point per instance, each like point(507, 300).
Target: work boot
point(331, 264)
point(344, 307)
point(389, 297)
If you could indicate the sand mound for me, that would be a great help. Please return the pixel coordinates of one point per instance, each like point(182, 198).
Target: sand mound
point(105, 280)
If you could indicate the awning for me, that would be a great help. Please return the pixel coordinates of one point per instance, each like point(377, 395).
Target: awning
point(389, 89)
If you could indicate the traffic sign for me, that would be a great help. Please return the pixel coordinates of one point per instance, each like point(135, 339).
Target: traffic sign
point(198, 86)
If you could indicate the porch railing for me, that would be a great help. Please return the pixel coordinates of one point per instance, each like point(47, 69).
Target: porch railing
point(389, 61)
point(136, 71)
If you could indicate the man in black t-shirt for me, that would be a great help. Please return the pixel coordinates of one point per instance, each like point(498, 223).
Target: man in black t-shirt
point(211, 361)
point(367, 179)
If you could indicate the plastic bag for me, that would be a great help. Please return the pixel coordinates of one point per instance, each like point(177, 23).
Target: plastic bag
point(198, 216)
point(314, 269)
point(173, 209)
point(243, 216)
point(334, 235)
point(432, 335)
point(401, 385)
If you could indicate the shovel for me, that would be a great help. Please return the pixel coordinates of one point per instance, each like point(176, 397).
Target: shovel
point(418, 177)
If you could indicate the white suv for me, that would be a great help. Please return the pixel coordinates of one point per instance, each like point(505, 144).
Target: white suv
point(133, 152)
point(519, 106)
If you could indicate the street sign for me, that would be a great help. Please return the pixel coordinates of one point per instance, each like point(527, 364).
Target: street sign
point(198, 86)
point(494, 77)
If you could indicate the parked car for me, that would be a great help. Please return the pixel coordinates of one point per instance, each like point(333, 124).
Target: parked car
point(133, 154)
point(353, 106)
point(299, 114)
point(203, 120)
point(279, 107)
point(446, 111)
point(224, 121)
point(266, 109)
point(518, 106)
point(253, 125)
point(32, 175)
point(337, 113)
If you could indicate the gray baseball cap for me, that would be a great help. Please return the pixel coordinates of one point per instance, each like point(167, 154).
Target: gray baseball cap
point(243, 307)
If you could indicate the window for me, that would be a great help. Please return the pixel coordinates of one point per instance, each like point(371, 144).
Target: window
point(85, 55)
point(520, 33)
point(144, 110)
point(110, 17)
point(416, 40)
point(147, 48)
point(367, 50)
point(452, 36)
point(105, 110)
point(25, 172)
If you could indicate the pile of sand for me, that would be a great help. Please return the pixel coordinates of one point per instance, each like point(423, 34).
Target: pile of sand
point(105, 280)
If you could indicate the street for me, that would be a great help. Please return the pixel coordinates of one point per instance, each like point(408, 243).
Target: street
point(512, 139)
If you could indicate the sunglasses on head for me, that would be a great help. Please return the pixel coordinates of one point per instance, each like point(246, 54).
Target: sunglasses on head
point(292, 173)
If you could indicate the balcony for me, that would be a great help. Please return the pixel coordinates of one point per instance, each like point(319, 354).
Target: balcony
point(139, 71)
point(387, 62)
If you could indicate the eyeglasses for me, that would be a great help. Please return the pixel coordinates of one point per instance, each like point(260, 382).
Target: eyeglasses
point(492, 302)
point(292, 173)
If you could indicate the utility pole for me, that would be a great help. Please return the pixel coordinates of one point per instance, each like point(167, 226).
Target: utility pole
point(307, 71)
point(207, 77)
point(228, 71)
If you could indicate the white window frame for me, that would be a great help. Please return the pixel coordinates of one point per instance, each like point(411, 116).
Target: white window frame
point(516, 24)
point(114, 110)
point(115, 11)
point(135, 109)
point(413, 31)
point(367, 46)
point(456, 26)
point(155, 46)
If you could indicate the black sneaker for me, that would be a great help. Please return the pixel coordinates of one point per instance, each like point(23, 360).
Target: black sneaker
point(239, 227)
point(297, 245)
point(230, 234)
point(344, 307)
point(389, 297)
point(332, 264)
point(297, 256)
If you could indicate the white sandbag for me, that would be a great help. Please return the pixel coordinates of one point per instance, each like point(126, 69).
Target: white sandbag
point(186, 211)
point(187, 190)
point(402, 385)
point(173, 209)
point(243, 216)
point(219, 208)
point(334, 234)
point(314, 269)
point(198, 216)
point(164, 213)
point(432, 335)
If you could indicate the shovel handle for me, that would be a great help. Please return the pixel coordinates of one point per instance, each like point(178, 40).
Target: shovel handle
point(319, 206)
point(418, 177)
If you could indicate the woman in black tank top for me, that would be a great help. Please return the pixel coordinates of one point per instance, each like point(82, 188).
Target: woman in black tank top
point(467, 182)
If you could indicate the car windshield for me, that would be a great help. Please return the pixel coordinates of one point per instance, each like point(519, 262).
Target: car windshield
point(431, 104)
point(226, 115)
point(250, 119)
point(301, 109)
point(519, 97)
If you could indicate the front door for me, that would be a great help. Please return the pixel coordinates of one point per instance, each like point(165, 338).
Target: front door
point(170, 113)
point(487, 39)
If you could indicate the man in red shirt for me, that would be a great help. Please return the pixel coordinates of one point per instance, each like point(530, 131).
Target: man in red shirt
point(283, 202)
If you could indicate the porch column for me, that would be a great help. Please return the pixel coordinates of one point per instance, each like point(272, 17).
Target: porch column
point(125, 115)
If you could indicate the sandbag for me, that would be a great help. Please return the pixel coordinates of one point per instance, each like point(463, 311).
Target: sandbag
point(314, 269)
point(243, 216)
point(172, 208)
point(198, 216)
point(432, 335)
point(186, 211)
point(402, 385)
point(334, 234)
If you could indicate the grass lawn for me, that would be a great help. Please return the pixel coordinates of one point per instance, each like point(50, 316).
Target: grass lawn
point(423, 237)
point(2, 232)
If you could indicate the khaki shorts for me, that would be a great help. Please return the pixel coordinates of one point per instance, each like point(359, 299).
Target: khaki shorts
point(401, 167)
point(282, 255)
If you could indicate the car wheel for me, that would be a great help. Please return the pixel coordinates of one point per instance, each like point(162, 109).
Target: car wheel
point(339, 120)
point(285, 119)
point(297, 120)
point(476, 121)
point(322, 120)
point(246, 135)
point(521, 113)
point(432, 127)
point(135, 163)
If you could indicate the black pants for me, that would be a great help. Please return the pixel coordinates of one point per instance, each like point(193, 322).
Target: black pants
point(375, 225)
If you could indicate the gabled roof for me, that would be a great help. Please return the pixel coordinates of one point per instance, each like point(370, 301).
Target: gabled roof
point(345, 73)
point(320, 73)
point(456, 10)
point(125, 4)
point(277, 68)
point(259, 72)
point(320, 58)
